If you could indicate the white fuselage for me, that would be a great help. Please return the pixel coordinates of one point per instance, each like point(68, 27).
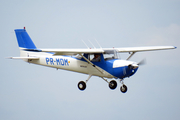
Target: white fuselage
point(65, 62)
point(115, 69)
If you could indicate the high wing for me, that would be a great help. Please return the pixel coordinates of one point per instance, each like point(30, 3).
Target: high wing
point(72, 51)
point(141, 49)
point(126, 49)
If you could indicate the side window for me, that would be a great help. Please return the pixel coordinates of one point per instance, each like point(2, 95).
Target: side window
point(95, 57)
point(78, 56)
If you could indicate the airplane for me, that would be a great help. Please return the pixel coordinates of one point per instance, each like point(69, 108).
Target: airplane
point(101, 62)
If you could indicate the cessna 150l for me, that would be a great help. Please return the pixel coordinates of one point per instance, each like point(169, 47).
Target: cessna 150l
point(82, 61)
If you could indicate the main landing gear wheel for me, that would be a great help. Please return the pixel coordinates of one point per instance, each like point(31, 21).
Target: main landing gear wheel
point(112, 84)
point(82, 85)
point(123, 88)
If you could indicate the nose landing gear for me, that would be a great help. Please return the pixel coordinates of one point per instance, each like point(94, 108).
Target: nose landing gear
point(123, 88)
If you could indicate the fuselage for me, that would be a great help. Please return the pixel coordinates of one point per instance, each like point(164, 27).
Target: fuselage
point(112, 68)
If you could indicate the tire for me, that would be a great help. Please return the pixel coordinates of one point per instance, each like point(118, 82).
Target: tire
point(123, 88)
point(112, 84)
point(82, 85)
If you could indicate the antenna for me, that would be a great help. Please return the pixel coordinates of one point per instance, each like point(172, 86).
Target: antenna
point(98, 43)
point(92, 44)
point(85, 44)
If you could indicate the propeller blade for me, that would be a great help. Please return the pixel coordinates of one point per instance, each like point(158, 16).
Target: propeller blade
point(142, 62)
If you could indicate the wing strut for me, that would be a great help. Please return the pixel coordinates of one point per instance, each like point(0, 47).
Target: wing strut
point(131, 55)
point(91, 63)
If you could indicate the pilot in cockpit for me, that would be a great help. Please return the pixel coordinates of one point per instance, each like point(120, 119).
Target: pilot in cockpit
point(97, 58)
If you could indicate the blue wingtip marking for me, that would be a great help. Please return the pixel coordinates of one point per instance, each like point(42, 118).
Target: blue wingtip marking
point(175, 47)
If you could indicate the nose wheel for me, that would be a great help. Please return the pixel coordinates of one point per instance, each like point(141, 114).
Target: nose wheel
point(123, 88)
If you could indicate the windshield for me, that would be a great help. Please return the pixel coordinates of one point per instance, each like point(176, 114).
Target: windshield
point(110, 54)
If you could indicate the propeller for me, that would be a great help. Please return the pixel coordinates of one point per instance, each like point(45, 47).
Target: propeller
point(142, 62)
point(134, 66)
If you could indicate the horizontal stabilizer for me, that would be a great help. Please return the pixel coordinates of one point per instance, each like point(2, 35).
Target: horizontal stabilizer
point(25, 58)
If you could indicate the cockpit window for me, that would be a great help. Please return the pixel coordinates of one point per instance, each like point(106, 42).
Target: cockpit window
point(110, 54)
point(96, 58)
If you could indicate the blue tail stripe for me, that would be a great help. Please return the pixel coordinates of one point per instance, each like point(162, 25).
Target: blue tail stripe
point(23, 39)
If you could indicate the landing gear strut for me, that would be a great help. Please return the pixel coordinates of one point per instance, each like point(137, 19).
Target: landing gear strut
point(82, 84)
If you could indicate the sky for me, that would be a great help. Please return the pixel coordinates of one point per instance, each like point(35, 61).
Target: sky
point(35, 92)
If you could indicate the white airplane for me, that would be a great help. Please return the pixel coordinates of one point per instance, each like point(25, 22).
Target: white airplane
point(102, 62)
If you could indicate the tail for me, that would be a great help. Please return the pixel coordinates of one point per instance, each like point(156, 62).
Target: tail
point(24, 41)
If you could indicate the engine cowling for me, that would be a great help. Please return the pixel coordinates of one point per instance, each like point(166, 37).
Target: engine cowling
point(124, 68)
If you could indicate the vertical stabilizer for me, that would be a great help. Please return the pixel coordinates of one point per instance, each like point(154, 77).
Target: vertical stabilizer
point(24, 41)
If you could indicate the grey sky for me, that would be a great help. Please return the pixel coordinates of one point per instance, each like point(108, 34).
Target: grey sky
point(29, 91)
